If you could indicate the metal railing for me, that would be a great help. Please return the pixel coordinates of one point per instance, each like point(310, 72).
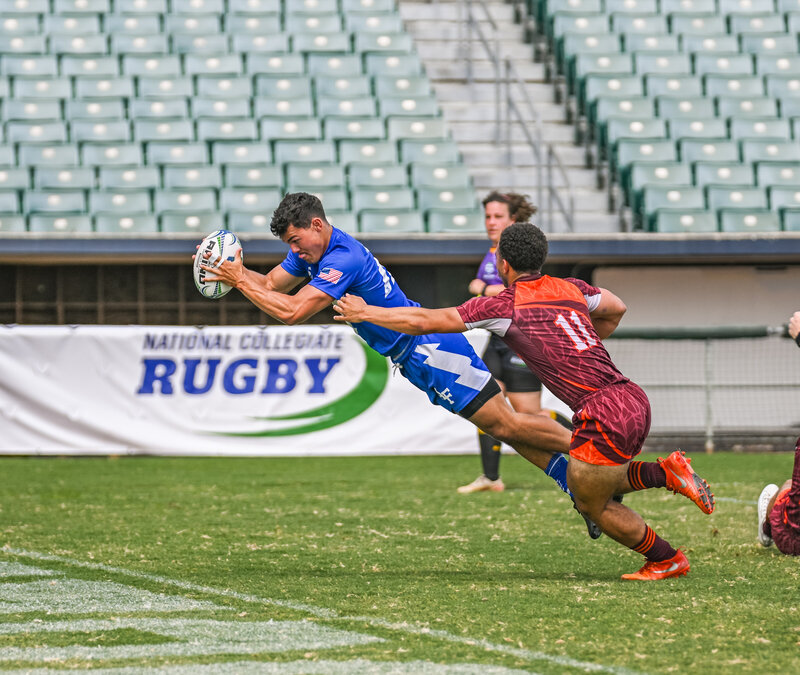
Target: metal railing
point(512, 97)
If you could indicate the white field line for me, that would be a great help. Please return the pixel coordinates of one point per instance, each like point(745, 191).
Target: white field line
point(324, 613)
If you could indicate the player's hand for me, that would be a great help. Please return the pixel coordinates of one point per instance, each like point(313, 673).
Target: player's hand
point(229, 272)
point(794, 325)
point(351, 308)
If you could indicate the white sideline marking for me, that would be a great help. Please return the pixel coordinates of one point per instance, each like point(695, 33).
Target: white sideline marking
point(15, 569)
point(302, 668)
point(322, 612)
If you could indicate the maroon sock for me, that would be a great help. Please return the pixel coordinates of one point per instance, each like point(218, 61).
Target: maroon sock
point(654, 547)
point(643, 475)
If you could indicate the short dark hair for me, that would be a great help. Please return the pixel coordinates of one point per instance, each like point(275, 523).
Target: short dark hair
point(520, 207)
point(523, 246)
point(298, 209)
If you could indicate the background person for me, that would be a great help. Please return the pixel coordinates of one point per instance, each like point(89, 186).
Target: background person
point(519, 385)
point(779, 508)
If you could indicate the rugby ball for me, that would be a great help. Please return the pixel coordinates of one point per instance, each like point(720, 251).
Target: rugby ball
point(222, 245)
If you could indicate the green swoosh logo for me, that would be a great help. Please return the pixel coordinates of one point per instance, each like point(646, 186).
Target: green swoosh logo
point(351, 405)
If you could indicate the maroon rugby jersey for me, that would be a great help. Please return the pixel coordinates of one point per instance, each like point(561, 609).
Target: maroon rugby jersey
point(546, 321)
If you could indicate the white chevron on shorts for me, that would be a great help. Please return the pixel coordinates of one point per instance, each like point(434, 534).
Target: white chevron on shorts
point(458, 364)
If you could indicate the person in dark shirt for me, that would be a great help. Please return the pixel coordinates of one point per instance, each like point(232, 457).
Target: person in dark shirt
point(557, 326)
point(779, 508)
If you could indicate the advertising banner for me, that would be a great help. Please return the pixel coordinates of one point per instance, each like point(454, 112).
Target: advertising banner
point(276, 390)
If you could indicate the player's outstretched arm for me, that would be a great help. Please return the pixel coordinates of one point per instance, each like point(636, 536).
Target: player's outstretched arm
point(411, 320)
point(607, 315)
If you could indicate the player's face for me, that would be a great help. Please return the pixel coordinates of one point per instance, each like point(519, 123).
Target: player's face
point(308, 243)
point(497, 218)
point(502, 268)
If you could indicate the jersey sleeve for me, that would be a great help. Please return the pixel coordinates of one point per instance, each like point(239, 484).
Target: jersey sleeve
point(492, 313)
point(294, 265)
point(591, 293)
point(337, 272)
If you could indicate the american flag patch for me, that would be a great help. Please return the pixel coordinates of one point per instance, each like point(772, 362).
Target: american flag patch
point(330, 274)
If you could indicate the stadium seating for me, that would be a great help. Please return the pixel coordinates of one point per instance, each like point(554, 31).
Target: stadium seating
point(691, 108)
point(142, 116)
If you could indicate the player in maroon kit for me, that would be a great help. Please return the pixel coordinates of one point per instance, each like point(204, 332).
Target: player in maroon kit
point(556, 326)
point(779, 508)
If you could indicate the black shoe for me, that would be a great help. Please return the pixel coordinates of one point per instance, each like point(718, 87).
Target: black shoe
point(594, 531)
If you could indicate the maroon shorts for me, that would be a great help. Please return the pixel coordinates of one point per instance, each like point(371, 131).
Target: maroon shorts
point(784, 521)
point(612, 425)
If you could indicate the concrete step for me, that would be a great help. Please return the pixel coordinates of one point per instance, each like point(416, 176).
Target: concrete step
point(485, 132)
point(483, 154)
point(480, 111)
point(451, 11)
point(438, 49)
point(482, 70)
point(485, 178)
point(485, 91)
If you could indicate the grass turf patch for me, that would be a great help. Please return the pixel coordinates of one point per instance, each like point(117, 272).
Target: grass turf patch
point(394, 552)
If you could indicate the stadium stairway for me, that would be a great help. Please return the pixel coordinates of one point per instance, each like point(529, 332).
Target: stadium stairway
point(470, 110)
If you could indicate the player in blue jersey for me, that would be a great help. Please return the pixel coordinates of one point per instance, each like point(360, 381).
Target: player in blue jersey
point(444, 366)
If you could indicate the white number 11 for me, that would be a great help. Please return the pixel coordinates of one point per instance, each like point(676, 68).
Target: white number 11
point(582, 341)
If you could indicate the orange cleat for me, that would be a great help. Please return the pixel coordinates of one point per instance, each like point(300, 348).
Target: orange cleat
point(676, 566)
point(682, 480)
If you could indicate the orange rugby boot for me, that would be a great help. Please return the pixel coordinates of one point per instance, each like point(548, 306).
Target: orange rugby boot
point(676, 566)
point(682, 480)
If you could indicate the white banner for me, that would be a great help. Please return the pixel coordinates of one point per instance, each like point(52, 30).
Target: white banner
point(277, 390)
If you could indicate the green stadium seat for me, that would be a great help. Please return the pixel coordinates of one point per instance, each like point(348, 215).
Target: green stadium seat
point(595, 86)
point(247, 221)
point(455, 220)
point(643, 128)
point(102, 131)
point(684, 107)
point(630, 7)
point(313, 22)
point(188, 177)
point(55, 178)
point(606, 107)
point(103, 87)
point(764, 23)
point(768, 128)
point(242, 129)
point(688, 6)
point(96, 66)
point(12, 223)
point(377, 176)
point(22, 44)
point(708, 150)
point(417, 86)
point(636, 42)
point(685, 220)
point(736, 106)
point(274, 64)
point(789, 106)
point(192, 43)
point(783, 197)
point(673, 85)
point(21, 24)
point(783, 86)
point(769, 150)
point(42, 88)
point(440, 176)
point(295, 86)
point(120, 201)
point(731, 63)
point(395, 65)
point(53, 201)
point(374, 22)
point(362, 106)
point(81, 6)
point(697, 127)
point(339, 128)
point(163, 87)
point(221, 87)
point(272, 43)
point(214, 64)
point(777, 64)
point(78, 44)
point(662, 63)
point(645, 174)
point(372, 152)
point(344, 220)
point(644, 24)
point(14, 178)
point(655, 198)
point(749, 220)
point(382, 198)
point(315, 175)
point(331, 197)
point(738, 85)
point(115, 223)
point(351, 86)
point(215, 108)
point(125, 22)
point(401, 128)
point(266, 6)
point(321, 42)
point(334, 65)
point(369, 5)
point(289, 107)
point(722, 173)
point(161, 65)
point(250, 24)
point(736, 197)
point(174, 153)
point(9, 201)
point(197, 222)
point(224, 152)
point(61, 223)
point(691, 23)
point(453, 198)
point(185, 200)
point(253, 175)
point(48, 154)
point(36, 65)
point(709, 43)
point(122, 178)
point(383, 42)
point(36, 132)
point(161, 109)
point(7, 155)
point(111, 154)
point(103, 109)
point(395, 220)
point(286, 129)
point(770, 174)
point(249, 199)
point(632, 150)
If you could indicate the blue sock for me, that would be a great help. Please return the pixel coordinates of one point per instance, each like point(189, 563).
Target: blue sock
point(557, 470)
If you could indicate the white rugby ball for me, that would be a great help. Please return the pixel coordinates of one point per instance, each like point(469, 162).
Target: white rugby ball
point(222, 245)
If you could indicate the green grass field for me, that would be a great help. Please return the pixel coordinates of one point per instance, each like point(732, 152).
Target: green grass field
point(376, 565)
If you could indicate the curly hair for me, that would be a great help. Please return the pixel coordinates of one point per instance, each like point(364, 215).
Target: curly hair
point(520, 207)
point(298, 209)
point(523, 246)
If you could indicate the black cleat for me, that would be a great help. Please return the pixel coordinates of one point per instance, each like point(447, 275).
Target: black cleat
point(592, 529)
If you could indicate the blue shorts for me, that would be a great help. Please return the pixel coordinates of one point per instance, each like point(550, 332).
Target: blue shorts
point(446, 368)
